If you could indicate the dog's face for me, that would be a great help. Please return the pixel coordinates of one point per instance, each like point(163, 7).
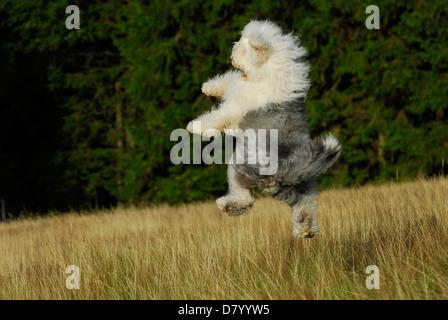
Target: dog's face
point(265, 54)
point(249, 55)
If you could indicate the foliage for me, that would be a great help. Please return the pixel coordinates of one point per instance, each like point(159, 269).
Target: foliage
point(86, 115)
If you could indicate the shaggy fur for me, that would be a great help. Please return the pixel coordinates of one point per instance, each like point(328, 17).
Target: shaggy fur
point(268, 91)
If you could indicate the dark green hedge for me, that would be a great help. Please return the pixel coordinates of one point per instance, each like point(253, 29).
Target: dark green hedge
point(86, 114)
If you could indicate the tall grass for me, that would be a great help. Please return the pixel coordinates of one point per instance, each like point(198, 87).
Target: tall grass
point(195, 252)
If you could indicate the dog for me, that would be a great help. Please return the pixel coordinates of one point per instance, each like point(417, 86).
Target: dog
point(267, 90)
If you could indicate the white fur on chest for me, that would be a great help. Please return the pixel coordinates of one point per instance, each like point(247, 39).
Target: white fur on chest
point(246, 96)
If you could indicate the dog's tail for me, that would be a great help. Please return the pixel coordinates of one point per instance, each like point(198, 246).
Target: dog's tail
point(303, 165)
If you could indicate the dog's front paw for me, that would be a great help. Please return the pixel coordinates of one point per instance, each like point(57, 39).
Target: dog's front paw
point(207, 89)
point(211, 90)
point(194, 127)
point(190, 127)
point(208, 133)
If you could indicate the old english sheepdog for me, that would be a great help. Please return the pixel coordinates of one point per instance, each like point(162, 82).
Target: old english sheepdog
point(267, 90)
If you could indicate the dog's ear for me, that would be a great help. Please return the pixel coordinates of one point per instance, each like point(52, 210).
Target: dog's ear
point(261, 49)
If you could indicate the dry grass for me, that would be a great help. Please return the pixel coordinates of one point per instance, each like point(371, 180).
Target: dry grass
point(195, 252)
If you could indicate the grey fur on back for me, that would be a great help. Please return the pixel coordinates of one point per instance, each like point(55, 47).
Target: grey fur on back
point(300, 158)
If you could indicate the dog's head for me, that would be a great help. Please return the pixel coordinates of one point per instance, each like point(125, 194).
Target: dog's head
point(254, 48)
point(265, 52)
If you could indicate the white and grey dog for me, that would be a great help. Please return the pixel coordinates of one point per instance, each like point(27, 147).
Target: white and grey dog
point(268, 91)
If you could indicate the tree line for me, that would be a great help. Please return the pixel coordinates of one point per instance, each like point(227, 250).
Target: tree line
point(86, 115)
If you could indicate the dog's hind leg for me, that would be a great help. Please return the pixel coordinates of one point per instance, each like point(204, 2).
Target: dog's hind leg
point(238, 200)
point(301, 199)
point(304, 223)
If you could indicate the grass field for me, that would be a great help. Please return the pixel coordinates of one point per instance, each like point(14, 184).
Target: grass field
point(196, 252)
